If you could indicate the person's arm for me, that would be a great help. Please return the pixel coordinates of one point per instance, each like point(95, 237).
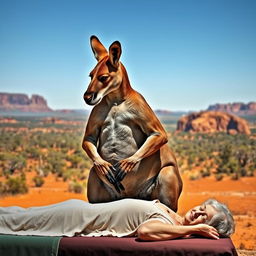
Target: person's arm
point(157, 230)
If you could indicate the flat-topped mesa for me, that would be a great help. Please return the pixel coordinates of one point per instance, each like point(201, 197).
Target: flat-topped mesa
point(22, 102)
point(213, 121)
point(237, 108)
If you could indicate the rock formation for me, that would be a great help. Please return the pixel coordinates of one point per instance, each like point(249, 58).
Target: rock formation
point(213, 121)
point(237, 108)
point(21, 102)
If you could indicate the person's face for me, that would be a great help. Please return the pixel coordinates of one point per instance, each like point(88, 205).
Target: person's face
point(199, 214)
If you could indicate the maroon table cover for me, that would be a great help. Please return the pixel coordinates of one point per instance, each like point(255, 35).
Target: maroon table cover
point(113, 246)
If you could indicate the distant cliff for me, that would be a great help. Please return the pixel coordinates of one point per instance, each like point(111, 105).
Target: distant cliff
point(213, 121)
point(237, 108)
point(22, 102)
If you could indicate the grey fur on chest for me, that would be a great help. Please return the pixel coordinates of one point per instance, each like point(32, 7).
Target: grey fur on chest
point(119, 136)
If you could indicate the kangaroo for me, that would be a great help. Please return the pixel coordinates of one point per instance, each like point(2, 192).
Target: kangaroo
point(124, 138)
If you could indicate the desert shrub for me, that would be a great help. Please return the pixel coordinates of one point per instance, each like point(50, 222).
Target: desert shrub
point(82, 175)
point(17, 162)
point(243, 172)
point(56, 162)
point(68, 174)
point(45, 171)
point(33, 152)
point(235, 176)
point(219, 176)
point(202, 157)
point(197, 164)
point(194, 177)
point(16, 185)
point(227, 153)
point(76, 187)
point(75, 160)
point(38, 180)
point(2, 188)
point(250, 171)
point(191, 159)
point(205, 173)
point(87, 164)
point(11, 162)
point(180, 162)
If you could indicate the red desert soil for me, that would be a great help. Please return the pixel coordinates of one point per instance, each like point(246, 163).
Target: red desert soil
point(240, 196)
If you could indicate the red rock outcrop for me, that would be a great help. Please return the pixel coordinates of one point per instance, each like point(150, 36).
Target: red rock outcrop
point(237, 108)
point(213, 121)
point(21, 102)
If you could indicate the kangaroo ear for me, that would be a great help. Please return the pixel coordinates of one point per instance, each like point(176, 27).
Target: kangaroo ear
point(115, 51)
point(98, 49)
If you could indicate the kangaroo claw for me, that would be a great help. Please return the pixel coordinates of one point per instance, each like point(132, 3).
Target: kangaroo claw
point(120, 175)
point(114, 181)
point(110, 178)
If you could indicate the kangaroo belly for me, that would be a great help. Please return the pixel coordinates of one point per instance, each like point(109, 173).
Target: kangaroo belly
point(119, 141)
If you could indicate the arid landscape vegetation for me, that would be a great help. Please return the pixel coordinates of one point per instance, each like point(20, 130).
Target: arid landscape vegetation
point(42, 162)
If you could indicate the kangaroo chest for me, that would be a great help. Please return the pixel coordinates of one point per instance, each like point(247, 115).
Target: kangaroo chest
point(120, 136)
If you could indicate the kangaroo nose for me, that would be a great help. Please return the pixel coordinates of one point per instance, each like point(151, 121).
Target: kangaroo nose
point(89, 96)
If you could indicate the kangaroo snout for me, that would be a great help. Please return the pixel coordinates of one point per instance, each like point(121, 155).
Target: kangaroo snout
point(89, 97)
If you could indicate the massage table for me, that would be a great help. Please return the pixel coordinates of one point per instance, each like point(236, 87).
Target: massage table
point(112, 246)
point(11, 245)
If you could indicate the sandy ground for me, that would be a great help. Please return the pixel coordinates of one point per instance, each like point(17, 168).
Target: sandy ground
point(240, 196)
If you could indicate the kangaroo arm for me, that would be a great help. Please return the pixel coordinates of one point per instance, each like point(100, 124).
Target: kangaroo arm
point(91, 135)
point(90, 148)
point(151, 126)
point(153, 143)
point(155, 140)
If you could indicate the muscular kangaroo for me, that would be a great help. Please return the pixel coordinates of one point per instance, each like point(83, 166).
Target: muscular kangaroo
point(124, 138)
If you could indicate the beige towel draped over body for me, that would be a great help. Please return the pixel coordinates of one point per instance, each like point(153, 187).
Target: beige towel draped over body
point(77, 217)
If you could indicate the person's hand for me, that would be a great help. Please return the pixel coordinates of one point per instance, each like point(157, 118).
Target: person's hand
point(206, 231)
point(104, 168)
point(125, 166)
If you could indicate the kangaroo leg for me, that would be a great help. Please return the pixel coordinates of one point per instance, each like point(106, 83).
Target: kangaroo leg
point(168, 187)
point(98, 191)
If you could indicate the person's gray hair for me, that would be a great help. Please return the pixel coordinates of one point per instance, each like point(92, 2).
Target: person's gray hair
point(223, 221)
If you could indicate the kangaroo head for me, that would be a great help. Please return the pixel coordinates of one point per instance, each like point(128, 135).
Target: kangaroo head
point(106, 76)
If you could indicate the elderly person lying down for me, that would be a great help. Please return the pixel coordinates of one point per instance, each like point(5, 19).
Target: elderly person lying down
point(149, 220)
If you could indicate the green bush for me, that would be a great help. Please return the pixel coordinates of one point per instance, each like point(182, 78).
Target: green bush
point(76, 187)
point(67, 174)
point(38, 180)
point(16, 185)
point(219, 176)
point(194, 177)
point(2, 188)
point(205, 173)
point(59, 152)
point(235, 176)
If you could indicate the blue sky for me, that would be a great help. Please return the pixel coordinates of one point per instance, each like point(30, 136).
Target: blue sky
point(181, 55)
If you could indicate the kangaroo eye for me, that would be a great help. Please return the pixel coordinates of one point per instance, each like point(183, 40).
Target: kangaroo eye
point(103, 78)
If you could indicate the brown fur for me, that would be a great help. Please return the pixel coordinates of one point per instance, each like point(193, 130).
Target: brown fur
point(124, 138)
